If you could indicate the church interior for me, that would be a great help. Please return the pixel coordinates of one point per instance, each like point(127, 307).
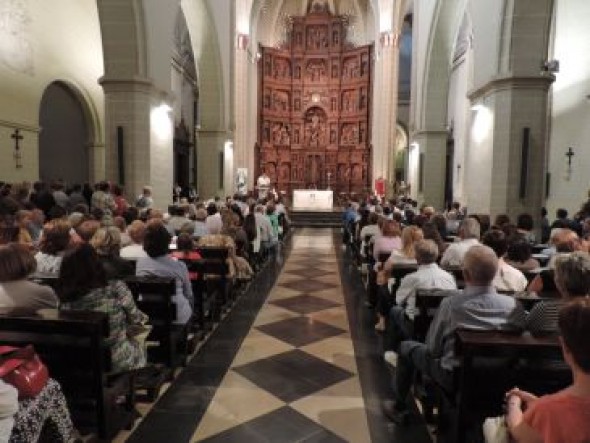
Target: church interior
point(263, 220)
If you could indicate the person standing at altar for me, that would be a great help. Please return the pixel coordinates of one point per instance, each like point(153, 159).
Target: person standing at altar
point(263, 184)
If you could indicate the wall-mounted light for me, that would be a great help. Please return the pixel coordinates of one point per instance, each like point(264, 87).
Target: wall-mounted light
point(482, 123)
point(161, 122)
point(228, 149)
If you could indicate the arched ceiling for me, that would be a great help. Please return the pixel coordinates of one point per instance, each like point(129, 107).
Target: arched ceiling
point(270, 19)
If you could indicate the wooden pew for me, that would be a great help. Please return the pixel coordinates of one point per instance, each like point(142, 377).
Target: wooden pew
point(429, 300)
point(206, 307)
point(457, 272)
point(72, 346)
point(492, 362)
point(153, 296)
point(215, 271)
point(45, 279)
point(538, 248)
point(427, 303)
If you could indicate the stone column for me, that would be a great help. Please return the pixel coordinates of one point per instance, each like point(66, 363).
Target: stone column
point(147, 137)
point(241, 148)
point(515, 99)
point(211, 174)
point(517, 107)
point(432, 145)
point(385, 92)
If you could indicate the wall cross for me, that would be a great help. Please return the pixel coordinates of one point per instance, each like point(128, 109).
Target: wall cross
point(17, 137)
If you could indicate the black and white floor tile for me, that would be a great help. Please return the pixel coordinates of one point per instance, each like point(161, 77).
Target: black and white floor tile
point(296, 360)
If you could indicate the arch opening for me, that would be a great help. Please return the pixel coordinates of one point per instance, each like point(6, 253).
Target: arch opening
point(66, 135)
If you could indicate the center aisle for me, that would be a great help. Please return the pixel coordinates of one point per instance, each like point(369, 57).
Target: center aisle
point(294, 378)
point(284, 366)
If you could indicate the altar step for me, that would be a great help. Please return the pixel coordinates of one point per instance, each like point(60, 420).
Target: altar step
point(319, 219)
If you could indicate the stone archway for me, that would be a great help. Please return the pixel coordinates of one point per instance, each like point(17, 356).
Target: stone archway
point(68, 131)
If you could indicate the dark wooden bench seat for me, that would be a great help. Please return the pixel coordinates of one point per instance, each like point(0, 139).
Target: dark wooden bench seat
point(215, 277)
point(492, 362)
point(167, 341)
point(72, 346)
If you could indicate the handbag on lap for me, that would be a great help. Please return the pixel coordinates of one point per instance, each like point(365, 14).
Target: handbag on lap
point(23, 369)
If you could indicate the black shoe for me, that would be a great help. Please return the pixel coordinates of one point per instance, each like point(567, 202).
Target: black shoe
point(399, 416)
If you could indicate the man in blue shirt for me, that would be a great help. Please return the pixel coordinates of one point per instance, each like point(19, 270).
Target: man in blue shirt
point(349, 215)
point(477, 307)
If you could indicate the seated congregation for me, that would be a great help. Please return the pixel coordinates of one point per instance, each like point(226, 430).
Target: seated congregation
point(478, 321)
point(114, 298)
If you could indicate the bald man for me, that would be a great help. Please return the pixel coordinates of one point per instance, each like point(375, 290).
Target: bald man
point(477, 307)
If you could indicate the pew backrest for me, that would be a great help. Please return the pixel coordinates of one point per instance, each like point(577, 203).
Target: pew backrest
point(154, 296)
point(72, 344)
point(492, 362)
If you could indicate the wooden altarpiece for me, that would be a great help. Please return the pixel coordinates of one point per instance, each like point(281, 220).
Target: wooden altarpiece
point(314, 109)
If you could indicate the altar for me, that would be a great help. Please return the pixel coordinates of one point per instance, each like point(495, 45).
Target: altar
point(313, 200)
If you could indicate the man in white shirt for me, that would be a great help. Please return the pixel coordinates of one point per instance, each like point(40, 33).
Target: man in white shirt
point(372, 230)
point(469, 233)
point(264, 228)
point(134, 251)
point(263, 185)
point(145, 201)
point(428, 276)
point(213, 222)
point(507, 278)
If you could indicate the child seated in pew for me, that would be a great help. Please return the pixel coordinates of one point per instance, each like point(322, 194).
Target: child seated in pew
point(83, 285)
point(562, 417)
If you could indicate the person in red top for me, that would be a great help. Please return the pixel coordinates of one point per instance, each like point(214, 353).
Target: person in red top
point(563, 417)
point(185, 250)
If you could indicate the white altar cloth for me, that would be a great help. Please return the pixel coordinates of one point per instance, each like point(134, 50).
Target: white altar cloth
point(312, 200)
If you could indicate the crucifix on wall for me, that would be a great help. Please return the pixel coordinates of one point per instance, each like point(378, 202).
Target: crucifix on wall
point(569, 154)
point(17, 155)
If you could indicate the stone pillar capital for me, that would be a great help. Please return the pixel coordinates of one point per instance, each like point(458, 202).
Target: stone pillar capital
point(126, 84)
point(542, 81)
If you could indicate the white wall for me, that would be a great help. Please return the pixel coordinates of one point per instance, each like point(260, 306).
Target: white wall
point(40, 42)
point(459, 117)
point(571, 107)
point(479, 160)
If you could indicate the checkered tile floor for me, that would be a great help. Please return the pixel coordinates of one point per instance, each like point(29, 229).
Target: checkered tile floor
point(294, 378)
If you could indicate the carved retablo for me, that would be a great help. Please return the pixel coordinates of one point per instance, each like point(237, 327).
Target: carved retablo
point(314, 128)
